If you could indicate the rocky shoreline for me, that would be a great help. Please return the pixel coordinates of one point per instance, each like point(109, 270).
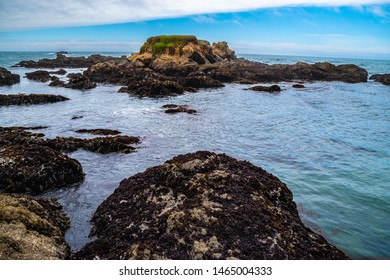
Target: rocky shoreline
point(195, 206)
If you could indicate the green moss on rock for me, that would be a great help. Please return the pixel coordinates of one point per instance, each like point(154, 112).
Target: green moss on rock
point(166, 43)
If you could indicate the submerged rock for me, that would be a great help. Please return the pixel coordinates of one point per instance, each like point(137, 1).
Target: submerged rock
point(271, 89)
point(79, 81)
point(173, 109)
point(298, 86)
point(32, 229)
point(99, 131)
point(59, 72)
point(381, 78)
point(7, 78)
point(203, 206)
point(29, 99)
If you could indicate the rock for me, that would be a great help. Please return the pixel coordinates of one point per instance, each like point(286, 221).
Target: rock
point(7, 78)
point(59, 72)
point(29, 99)
point(102, 145)
point(203, 206)
point(99, 131)
point(298, 86)
point(76, 117)
point(221, 49)
point(153, 88)
point(33, 169)
point(32, 229)
point(39, 76)
point(200, 82)
point(381, 78)
point(173, 109)
point(56, 82)
point(79, 81)
point(62, 61)
point(271, 89)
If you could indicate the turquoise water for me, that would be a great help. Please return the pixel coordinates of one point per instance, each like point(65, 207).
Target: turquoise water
point(329, 142)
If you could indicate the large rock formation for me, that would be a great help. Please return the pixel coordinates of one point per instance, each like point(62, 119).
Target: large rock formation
point(32, 229)
point(63, 61)
point(29, 99)
point(7, 78)
point(203, 206)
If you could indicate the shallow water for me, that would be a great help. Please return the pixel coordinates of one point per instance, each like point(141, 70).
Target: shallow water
point(328, 142)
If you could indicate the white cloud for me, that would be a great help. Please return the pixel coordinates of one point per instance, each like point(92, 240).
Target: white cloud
point(378, 11)
point(30, 14)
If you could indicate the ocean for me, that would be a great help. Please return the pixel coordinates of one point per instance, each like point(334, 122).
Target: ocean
point(329, 142)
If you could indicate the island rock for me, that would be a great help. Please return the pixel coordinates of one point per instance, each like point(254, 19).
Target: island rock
point(7, 78)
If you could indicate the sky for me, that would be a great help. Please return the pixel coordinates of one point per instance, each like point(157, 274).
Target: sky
point(329, 28)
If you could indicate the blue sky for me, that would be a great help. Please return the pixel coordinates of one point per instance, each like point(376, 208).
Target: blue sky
point(311, 29)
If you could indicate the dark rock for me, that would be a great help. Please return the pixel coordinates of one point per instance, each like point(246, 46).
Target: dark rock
point(200, 82)
point(34, 169)
point(271, 89)
point(59, 72)
point(32, 229)
point(153, 88)
point(102, 145)
point(56, 82)
point(79, 81)
point(7, 78)
point(76, 117)
point(298, 86)
point(62, 61)
point(173, 109)
point(203, 206)
point(39, 76)
point(381, 78)
point(29, 99)
point(99, 131)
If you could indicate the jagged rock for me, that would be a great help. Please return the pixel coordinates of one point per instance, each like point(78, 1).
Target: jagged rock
point(56, 82)
point(271, 89)
point(39, 76)
point(32, 229)
point(7, 78)
point(298, 86)
point(203, 206)
point(173, 109)
point(79, 81)
point(34, 169)
point(62, 61)
point(29, 99)
point(153, 88)
point(99, 131)
point(381, 78)
point(200, 82)
point(76, 117)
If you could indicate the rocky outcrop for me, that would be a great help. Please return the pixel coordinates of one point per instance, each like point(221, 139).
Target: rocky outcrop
point(39, 76)
point(79, 81)
point(203, 206)
point(241, 69)
point(153, 88)
point(381, 78)
point(58, 72)
point(32, 229)
point(298, 86)
point(62, 61)
point(270, 89)
point(174, 109)
point(29, 99)
point(7, 78)
point(99, 131)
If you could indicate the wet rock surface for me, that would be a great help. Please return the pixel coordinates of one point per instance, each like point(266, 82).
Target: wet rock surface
point(174, 109)
point(298, 86)
point(39, 76)
point(32, 229)
point(271, 89)
point(203, 206)
point(7, 78)
point(63, 61)
point(99, 131)
point(29, 99)
point(79, 81)
point(153, 88)
point(381, 78)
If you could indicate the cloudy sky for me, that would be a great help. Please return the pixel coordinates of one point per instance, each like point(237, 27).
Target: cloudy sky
point(359, 28)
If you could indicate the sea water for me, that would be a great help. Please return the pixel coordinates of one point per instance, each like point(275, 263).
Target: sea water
point(329, 142)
